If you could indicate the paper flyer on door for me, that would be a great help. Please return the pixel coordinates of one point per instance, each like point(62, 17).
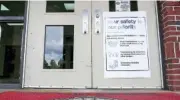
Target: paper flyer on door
point(126, 44)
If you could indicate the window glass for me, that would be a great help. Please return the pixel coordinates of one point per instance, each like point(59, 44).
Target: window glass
point(10, 52)
point(12, 8)
point(60, 6)
point(133, 5)
point(59, 42)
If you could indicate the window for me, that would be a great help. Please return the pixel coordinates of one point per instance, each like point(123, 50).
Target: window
point(59, 6)
point(12, 8)
point(133, 5)
point(58, 53)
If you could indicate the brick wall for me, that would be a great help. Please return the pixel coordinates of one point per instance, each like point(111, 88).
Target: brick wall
point(170, 24)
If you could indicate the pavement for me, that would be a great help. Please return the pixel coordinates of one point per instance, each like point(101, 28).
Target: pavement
point(86, 94)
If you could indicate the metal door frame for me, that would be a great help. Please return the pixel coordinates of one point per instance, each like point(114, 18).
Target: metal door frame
point(24, 43)
point(17, 19)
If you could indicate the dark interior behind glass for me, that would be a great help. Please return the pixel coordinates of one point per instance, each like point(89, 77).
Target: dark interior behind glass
point(12, 8)
point(11, 28)
point(59, 6)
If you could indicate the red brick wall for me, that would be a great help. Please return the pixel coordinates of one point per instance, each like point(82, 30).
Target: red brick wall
point(170, 24)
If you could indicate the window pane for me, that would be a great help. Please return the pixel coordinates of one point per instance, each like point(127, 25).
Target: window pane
point(134, 6)
point(112, 7)
point(60, 6)
point(59, 47)
point(133, 3)
point(12, 8)
point(10, 52)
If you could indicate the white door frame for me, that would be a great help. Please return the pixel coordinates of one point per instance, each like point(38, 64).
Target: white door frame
point(25, 45)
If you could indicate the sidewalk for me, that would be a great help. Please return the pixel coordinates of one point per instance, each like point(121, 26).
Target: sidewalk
point(42, 94)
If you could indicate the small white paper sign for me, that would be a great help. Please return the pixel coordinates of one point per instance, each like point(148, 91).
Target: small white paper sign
point(126, 43)
point(122, 5)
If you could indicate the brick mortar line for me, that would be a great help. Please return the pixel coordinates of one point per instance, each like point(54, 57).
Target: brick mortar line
point(171, 42)
point(173, 80)
point(175, 51)
point(168, 43)
point(171, 31)
point(173, 8)
point(166, 7)
point(174, 85)
point(170, 21)
point(174, 69)
point(172, 58)
point(173, 74)
point(169, 15)
point(164, 22)
point(163, 7)
point(165, 50)
point(172, 25)
point(164, 16)
point(163, 4)
point(172, 36)
point(170, 79)
point(173, 64)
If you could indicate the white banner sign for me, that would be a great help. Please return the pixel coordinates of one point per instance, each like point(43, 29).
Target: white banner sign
point(125, 41)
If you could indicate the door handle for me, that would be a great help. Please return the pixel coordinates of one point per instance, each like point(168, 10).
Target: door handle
point(85, 20)
point(0, 32)
point(97, 21)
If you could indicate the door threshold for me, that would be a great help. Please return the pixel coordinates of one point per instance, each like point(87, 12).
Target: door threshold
point(10, 86)
point(85, 90)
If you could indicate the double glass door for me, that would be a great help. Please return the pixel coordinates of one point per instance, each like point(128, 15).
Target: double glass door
point(64, 47)
point(11, 34)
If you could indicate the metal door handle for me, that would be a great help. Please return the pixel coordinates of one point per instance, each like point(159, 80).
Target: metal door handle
point(85, 20)
point(0, 32)
point(97, 21)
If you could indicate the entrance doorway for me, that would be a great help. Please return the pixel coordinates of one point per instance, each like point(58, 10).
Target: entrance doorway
point(65, 50)
point(11, 30)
